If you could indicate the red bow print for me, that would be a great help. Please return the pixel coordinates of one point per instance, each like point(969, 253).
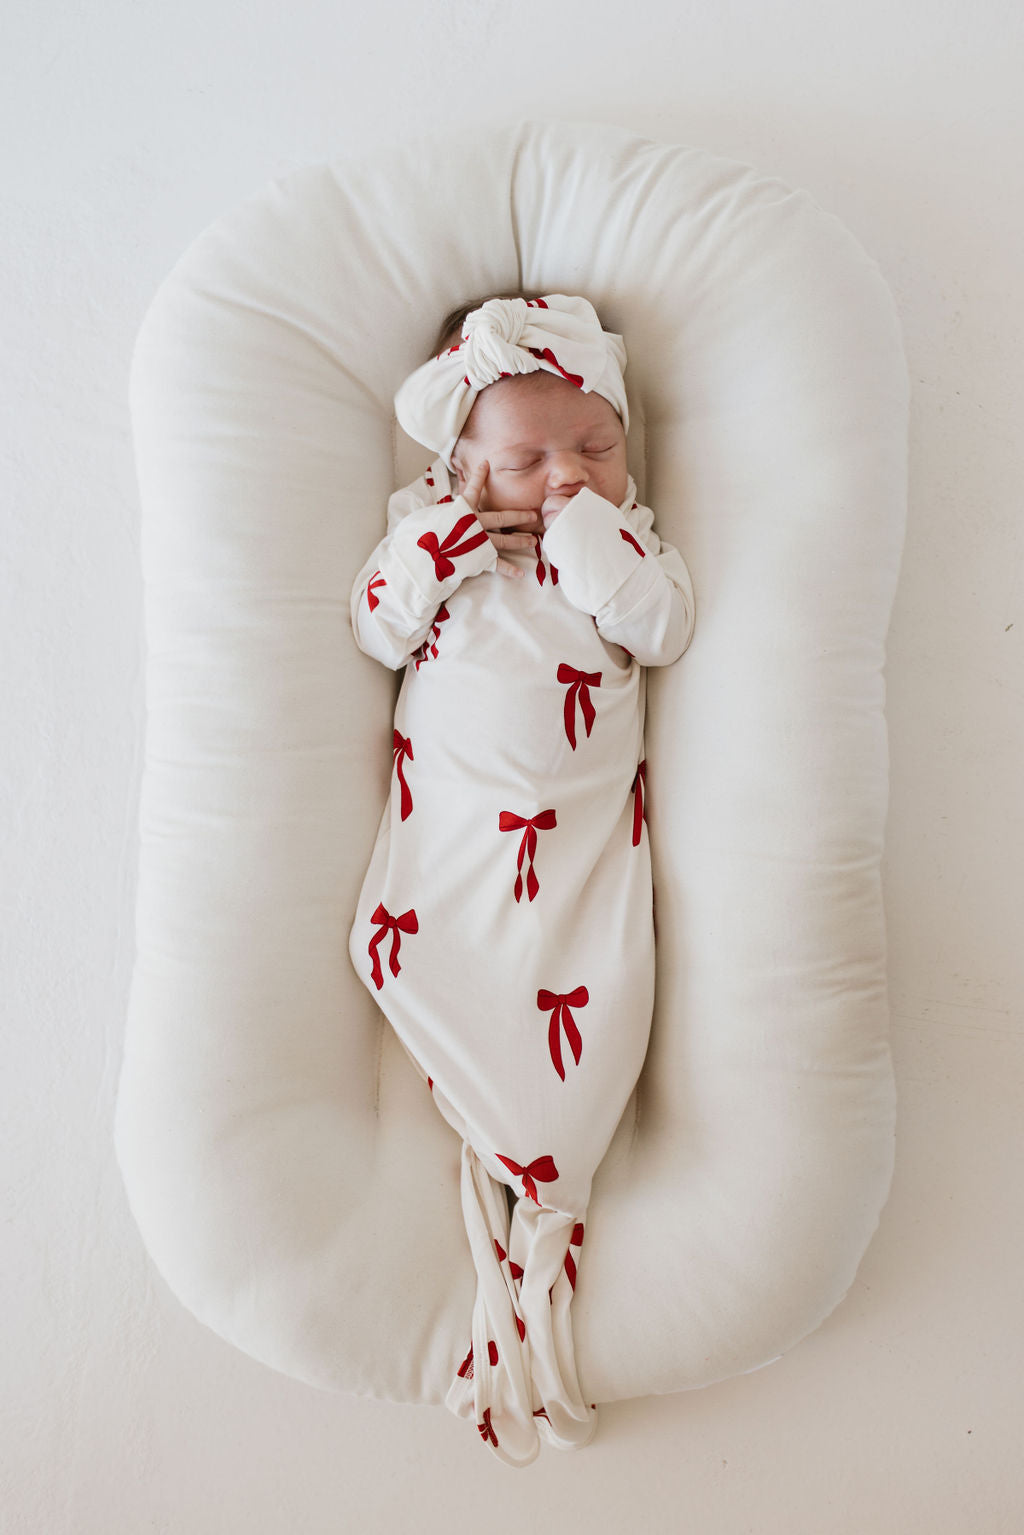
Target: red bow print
point(575, 1240)
point(539, 569)
point(540, 1170)
point(581, 683)
point(515, 1269)
point(439, 553)
point(428, 650)
point(406, 923)
point(559, 1003)
point(403, 749)
point(375, 580)
point(486, 1431)
point(548, 355)
point(624, 533)
point(509, 821)
point(638, 801)
point(465, 1370)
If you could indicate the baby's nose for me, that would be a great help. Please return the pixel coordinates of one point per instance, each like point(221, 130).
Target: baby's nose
point(567, 469)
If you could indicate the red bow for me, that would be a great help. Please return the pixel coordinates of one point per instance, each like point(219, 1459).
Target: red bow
point(638, 802)
point(406, 923)
point(429, 647)
point(570, 1263)
point(486, 1431)
point(509, 821)
point(581, 683)
point(439, 553)
point(560, 1003)
point(548, 356)
point(515, 1269)
point(542, 1169)
point(371, 595)
point(628, 538)
point(539, 570)
point(403, 749)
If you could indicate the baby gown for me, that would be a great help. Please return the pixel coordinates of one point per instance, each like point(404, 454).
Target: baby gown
point(505, 923)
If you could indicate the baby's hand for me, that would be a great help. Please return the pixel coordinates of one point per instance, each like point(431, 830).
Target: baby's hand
point(494, 521)
point(551, 508)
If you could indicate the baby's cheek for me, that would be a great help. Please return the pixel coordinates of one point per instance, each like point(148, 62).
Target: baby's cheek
point(505, 493)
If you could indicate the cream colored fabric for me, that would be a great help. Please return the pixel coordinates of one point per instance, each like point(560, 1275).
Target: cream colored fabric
point(291, 1179)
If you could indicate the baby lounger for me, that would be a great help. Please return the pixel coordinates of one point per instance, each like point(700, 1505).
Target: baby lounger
point(291, 1178)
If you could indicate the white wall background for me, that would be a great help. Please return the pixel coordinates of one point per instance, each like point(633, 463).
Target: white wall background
point(126, 128)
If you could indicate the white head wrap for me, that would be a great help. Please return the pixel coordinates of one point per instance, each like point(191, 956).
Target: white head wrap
point(558, 333)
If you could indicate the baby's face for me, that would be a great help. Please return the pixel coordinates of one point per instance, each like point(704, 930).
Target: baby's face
point(544, 440)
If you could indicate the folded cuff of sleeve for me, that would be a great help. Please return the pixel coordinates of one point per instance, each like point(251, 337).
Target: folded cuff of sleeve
point(601, 568)
point(434, 549)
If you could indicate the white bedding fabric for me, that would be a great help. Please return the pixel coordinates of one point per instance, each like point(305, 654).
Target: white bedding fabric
point(291, 1179)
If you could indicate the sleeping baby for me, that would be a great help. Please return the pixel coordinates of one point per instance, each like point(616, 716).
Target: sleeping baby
point(505, 924)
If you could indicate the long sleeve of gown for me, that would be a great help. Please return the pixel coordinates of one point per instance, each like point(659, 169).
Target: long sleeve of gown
point(613, 565)
point(428, 551)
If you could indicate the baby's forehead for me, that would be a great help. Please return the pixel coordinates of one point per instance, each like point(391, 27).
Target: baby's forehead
point(535, 405)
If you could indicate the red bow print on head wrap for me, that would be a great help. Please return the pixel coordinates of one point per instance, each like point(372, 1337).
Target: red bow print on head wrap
point(403, 749)
point(547, 355)
point(509, 821)
point(440, 553)
point(406, 923)
point(541, 1170)
point(559, 1003)
point(638, 801)
point(580, 684)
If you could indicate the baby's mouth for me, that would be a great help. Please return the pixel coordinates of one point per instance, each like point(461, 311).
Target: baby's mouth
point(555, 503)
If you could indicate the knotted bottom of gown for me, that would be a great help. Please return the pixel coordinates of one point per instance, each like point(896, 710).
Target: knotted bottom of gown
point(519, 1380)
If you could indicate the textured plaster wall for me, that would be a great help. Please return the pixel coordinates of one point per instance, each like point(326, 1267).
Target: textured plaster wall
point(126, 128)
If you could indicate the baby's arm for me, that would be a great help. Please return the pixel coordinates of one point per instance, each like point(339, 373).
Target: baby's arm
point(429, 549)
point(612, 564)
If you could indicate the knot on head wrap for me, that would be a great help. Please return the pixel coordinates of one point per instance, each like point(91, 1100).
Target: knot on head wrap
point(558, 334)
point(491, 339)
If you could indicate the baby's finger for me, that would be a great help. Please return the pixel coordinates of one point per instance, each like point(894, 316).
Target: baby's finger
point(512, 540)
point(509, 517)
point(506, 568)
point(475, 484)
